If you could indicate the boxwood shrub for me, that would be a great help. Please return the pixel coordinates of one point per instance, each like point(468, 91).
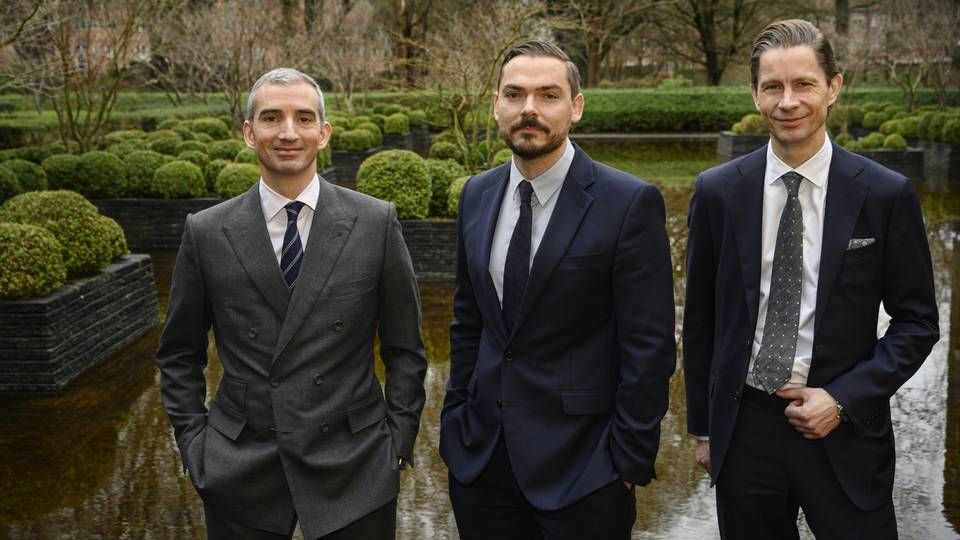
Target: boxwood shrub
point(100, 175)
point(227, 149)
point(396, 124)
point(442, 172)
point(453, 195)
point(446, 150)
point(417, 117)
point(212, 170)
point(123, 135)
point(872, 141)
point(398, 176)
point(750, 124)
point(950, 133)
point(196, 146)
point(9, 185)
point(41, 206)
point(355, 140)
point(165, 142)
point(213, 127)
point(502, 157)
point(246, 156)
point(140, 167)
point(324, 158)
point(121, 149)
point(169, 123)
point(30, 175)
point(895, 141)
point(184, 133)
point(61, 169)
point(31, 261)
point(374, 130)
point(198, 158)
point(179, 180)
point(202, 137)
point(873, 120)
point(235, 179)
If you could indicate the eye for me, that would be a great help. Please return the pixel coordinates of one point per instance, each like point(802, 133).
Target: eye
point(551, 96)
point(269, 118)
point(511, 94)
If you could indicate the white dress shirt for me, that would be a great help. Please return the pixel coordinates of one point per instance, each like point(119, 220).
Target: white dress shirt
point(544, 200)
point(813, 196)
point(272, 204)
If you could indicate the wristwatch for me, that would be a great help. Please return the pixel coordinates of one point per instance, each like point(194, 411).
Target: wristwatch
point(402, 463)
point(841, 414)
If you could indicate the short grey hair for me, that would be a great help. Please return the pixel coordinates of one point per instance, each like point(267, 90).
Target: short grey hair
point(283, 76)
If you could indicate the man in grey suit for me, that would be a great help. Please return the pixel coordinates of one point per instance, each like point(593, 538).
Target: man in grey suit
point(295, 277)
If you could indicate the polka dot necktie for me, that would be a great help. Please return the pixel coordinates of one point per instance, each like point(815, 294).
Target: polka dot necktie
point(775, 359)
point(516, 269)
point(292, 255)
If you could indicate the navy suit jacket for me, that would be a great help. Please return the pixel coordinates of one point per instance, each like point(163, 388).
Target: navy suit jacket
point(864, 200)
point(580, 385)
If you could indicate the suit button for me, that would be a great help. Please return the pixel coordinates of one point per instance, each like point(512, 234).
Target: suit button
point(317, 378)
point(736, 396)
point(508, 356)
point(749, 341)
point(252, 333)
point(275, 383)
point(337, 326)
point(499, 404)
point(324, 427)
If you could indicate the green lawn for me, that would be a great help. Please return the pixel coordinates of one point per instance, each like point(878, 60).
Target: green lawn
point(666, 164)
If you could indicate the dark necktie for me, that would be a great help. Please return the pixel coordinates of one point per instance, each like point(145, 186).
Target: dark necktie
point(292, 255)
point(516, 269)
point(775, 359)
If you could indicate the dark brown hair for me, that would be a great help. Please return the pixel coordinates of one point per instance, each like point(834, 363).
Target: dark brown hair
point(544, 48)
point(793, 33)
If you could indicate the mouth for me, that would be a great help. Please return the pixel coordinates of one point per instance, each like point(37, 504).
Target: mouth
point(287, 151)
point(790, 122)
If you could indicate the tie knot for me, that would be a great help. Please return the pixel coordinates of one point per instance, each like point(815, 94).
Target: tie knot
point(526, 191)
point(293, 210)
point(792, 181)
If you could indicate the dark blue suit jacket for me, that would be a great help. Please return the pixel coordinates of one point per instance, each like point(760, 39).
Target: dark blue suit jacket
point(581, 384)
point(864, 200)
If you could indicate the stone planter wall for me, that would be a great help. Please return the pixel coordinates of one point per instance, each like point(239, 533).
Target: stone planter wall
point(731, 145)
point(433, 246)
point(420, 139)
point(941, 163)
point(46, 342)
point(347, 163)
point(402, 141)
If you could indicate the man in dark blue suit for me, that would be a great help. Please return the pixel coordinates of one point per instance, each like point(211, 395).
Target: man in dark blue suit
point(791, 251)
point(562, 343)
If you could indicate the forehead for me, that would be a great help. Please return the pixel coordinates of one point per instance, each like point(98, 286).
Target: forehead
point(789, 63)
point(294, 96)
point(534, 72)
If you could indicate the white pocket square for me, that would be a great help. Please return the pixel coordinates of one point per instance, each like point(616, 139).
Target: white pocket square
point(857, 243)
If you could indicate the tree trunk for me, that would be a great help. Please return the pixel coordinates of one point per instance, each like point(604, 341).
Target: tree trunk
point(841, 13)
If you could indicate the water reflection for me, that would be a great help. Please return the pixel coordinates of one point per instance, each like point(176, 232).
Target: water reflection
point(99, 459)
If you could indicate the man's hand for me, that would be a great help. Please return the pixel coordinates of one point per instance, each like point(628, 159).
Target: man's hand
point(813, 411)
point(702, 453)
point(627, 485)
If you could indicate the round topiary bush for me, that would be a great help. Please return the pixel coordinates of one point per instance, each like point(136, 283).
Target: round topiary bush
point(356, 140)
point(872, 141)
point(453, 195)
point(488, 146)
point(935, 126)
point(37, 207)
point(417, 117)
point(324, 158)
point(751, 124)
point(890, 126)
point(9, 185)
point(165, 145)
point(442, 172)
point(227, 149)
point(246, 156)
point(895, 141)
point(374, 130)
point(446, 150)
point(908, 127)
point(872, 120)
point(121, 150)
point(123, 135)
point(30, 175)
point(951, 131)
point(396, 124)
point(235, 179)
point(179, 180)
point(61, 170)
point(184, 133)
point(195, 146)
point(398, 176)
point(924, 123)
point(36, 154)
point(502, 157)
point(100, 175)
point(842, 139)
point(169, 123)
point(199, 159)
point(31, 261)
point(202, 137)
point(213, 127)
point(140, 167)
point(388, 109)
point(212, 170)
point(447, 136)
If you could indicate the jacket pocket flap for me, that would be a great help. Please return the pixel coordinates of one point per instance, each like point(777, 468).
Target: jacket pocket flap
point(366, 413)
point(227, 422)
point(346, 288)
point(587, 401)
point(575, 262)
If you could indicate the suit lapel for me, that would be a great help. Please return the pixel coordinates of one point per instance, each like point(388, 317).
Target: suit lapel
point(246, 231)
point(572, 204)
point(332, 223)
point(489, 212)
point(845, 196)
point(745, 208)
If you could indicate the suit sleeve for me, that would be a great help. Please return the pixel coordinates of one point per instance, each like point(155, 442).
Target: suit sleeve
point(644, 311)
point(909, 299)
point(182, 354)
point(401, 344)
point(698, 314)
point(466, 327)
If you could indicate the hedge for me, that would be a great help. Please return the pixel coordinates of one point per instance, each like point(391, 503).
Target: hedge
point(396, 124)
point(196, 157)
point(227, 149)
point(246, 156)
point(179, 180)
point(441, 172)
point(100, 175)
point(9, 185)
point(140, 167)
point(30, 175)
point(398, 176)
point(502, 157)
point(235, 179)
point(213, 127)
point(446, 150)
point(61, 170)
point(453, 195)
point(951, 131)
point(751, 124)
point(31, 261)
point(355, 140)
point(374, 130)
point(212, 170)
point(895, 141)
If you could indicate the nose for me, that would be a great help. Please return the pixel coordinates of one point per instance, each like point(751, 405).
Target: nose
point(789, 99)
point(529, 106)
point(287, 129)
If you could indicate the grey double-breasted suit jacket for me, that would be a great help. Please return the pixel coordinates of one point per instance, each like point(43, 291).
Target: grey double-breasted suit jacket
point(299, 423)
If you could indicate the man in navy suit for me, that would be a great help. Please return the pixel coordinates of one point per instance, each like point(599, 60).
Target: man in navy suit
point(791, 251)
point(562, 343)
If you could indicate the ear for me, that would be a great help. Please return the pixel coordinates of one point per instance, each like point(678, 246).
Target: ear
point(248, 135)
point(756, 98)
point(325, 133)
point(833, 87)
point(496, 101)
point(577, 113)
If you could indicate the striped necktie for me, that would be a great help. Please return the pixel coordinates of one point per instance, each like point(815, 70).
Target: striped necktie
point(292, 255)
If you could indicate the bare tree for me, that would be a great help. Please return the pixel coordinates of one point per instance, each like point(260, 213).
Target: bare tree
point(408, 24)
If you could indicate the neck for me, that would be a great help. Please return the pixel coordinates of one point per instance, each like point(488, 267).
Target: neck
point(796, 155)
point(532, 168)
point(288, 186)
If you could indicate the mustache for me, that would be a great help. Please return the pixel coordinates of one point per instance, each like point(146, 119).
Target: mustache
point(529, 123)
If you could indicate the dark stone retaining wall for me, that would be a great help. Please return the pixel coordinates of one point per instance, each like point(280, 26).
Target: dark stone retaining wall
point(402, 141)
point(347, 163)
point(46, 342)
point(432, 245)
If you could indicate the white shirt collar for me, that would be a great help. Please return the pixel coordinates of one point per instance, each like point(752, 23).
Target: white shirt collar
point(272, 202)
point(816, 169)
point(548, 183)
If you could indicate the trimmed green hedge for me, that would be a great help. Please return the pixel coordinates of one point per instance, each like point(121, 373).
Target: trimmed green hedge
point(30, 175)
point(502, 157)
point(396, 124)
point(9, 185)
point(247, 155)
point(213, 127)
point(895, 141)
point(61, 169)
point(453, 195)
point(441, 172)
point(398, 176)
point(235, 179)
point(374, 130)
point(179, 180)
point(227, 149)
point(446, 150)
point(355, 140)
point(196, 157)
point(100, 175)
point(140, 168)
point(31, 261)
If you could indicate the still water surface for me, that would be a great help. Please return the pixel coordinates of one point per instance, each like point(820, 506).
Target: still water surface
point(99, 460)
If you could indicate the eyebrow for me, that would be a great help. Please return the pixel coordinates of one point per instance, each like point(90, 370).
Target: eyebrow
point(544, 88)
point(298, 111)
